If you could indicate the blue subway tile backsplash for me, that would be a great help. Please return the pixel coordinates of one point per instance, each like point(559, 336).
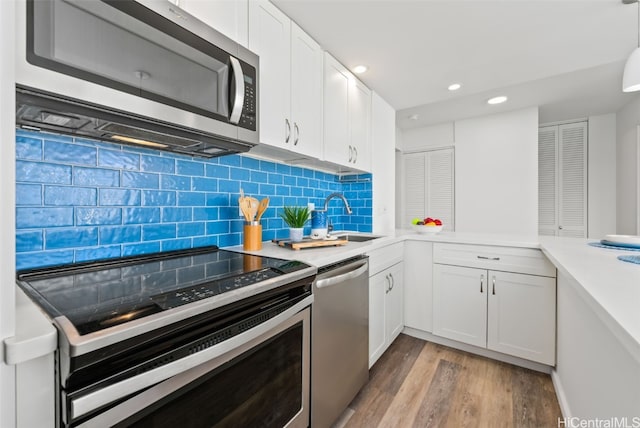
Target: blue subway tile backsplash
point(80, 200)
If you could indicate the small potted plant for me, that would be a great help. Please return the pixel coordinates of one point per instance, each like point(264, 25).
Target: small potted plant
point(295, 217)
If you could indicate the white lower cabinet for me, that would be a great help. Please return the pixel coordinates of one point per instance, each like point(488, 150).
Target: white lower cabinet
point(386, 271)
point(385, 310)
point(508, 312)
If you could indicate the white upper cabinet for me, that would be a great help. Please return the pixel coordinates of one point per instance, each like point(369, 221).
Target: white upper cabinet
point(226, 16)
point(347, 118)
point(290, 81)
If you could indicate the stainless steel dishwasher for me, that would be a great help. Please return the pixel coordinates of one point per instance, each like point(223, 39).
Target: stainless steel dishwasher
point(339, 338)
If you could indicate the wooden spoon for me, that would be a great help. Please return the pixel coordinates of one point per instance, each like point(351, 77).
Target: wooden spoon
point(254, 204)
point(264, 203)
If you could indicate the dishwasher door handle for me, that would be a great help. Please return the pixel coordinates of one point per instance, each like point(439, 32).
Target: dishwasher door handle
point(361, 268)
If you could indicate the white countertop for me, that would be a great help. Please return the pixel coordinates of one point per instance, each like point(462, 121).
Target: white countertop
point(611, 287)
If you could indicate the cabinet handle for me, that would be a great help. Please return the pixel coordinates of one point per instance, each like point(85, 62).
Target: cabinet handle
point(350, 153)
point(286, 121)
point(386, 291)
point(493, 286)
point(393, 281)
point(560, 227)
point(488, 258)
point(355, 150)
point(296, 133)
point(481, 282)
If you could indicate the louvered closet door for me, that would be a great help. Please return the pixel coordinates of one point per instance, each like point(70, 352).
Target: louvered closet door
point(414, 179)
point(429, 186)
point(440, 186)
point(547, 180)
point(572, 162)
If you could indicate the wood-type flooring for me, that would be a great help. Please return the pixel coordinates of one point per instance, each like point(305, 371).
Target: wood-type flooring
point(421, 384)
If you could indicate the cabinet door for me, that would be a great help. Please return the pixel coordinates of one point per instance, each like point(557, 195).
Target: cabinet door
point(521, 316)
point(460, 304)
point(547, 180)
point(360, 124)
point(226, 16)
point(394, 303)
point(306, 93)
point(270, 38)
point(336, 112)
point(378, 287)
point(418, 285)
point(572, 175)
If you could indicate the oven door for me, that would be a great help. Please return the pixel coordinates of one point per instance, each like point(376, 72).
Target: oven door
point(262, 381)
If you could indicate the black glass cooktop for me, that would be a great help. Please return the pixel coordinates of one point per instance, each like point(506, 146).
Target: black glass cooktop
point(98, 295)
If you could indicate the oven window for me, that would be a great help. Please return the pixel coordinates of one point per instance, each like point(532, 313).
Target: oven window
point(261, 388)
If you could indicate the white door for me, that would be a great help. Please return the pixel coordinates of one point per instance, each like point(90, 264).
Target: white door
point(429, 186)
point(378, 286)
point(227, 17)
point(521, 316)
point(336, 112)
point(360, 124)
point(547, 180)
point(394, 303)
point(562, 180)
point(270, 38)
point(306, 94)
point(572, 161)
point(460, 304)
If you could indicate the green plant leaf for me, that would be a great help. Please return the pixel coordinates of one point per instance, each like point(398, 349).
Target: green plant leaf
point(295, 217)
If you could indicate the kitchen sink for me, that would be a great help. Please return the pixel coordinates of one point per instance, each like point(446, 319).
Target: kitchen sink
point(358, 238)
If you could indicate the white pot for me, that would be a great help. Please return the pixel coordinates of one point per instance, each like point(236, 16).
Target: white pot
point(296, 233)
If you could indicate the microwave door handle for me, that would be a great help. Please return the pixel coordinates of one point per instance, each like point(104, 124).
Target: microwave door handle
point(238, 99)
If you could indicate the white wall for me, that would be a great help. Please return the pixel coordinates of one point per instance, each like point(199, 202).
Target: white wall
point(399, 180)
point(428, 137)
point(627, 121)
point(601, 213)
point(383, 165)
point(7, 213)
point(496, 173)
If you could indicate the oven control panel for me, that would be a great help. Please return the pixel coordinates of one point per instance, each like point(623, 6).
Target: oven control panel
point(187, 295)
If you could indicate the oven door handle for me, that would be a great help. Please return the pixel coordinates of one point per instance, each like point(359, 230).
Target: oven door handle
point(87, 403)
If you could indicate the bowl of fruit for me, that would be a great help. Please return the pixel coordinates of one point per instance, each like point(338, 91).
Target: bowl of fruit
point(428, 225)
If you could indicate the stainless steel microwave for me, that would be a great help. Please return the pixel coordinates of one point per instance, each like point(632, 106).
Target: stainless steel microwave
point(140, 72)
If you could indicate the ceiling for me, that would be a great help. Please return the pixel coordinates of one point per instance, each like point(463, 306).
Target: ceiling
point(565, 56)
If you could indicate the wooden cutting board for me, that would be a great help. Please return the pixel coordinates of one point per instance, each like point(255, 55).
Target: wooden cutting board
point(309, 243)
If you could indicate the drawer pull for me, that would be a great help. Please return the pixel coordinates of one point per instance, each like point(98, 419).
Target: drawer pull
point(481, 281)
point(494, 286)
point(488, 258)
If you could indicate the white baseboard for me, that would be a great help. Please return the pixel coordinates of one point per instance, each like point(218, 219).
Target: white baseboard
point(532, 365)
point(562, 397)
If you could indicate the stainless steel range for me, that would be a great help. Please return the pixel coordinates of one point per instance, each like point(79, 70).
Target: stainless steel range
point(201, 337)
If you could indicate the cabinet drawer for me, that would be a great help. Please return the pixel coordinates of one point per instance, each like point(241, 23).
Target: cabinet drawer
point(384, 257)
point(508, 259)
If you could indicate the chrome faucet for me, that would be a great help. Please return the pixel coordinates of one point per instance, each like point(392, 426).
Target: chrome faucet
point(337, 195)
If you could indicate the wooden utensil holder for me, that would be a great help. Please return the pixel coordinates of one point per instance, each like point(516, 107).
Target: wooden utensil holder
point(252, 239)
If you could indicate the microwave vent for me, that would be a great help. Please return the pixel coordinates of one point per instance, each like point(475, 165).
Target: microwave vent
point(144, 134)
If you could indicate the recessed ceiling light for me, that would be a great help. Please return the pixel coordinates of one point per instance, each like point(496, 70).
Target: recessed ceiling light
point(414, 117)
point(497, 100)
point(454, 86)
point(359, 69)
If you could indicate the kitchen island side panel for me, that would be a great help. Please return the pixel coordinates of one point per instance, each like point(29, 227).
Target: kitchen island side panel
point(596, 377)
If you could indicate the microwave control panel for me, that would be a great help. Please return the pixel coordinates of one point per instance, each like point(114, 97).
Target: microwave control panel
point(248, 116)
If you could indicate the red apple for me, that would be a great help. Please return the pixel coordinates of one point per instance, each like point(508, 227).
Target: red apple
point(428, 220)
point(438, 222)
